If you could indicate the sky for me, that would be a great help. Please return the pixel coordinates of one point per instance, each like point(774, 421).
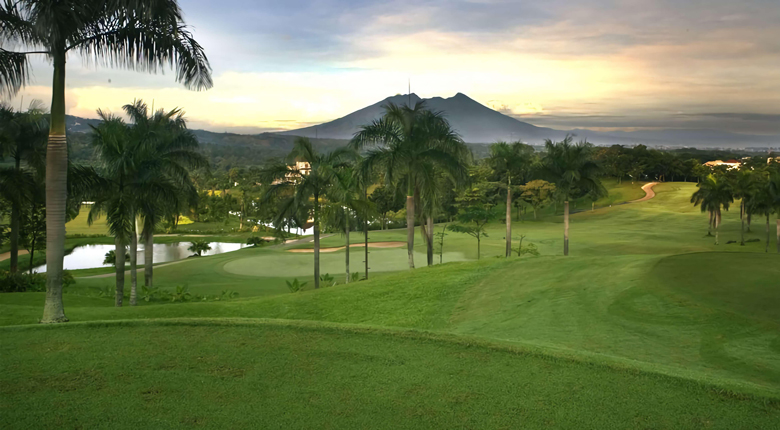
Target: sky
point(595, 64)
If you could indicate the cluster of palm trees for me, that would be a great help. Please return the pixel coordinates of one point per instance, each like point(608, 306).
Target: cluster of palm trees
point(144, 35)
point(756, 189)
point(23, 141)
point(416, 150)
point(143, 174)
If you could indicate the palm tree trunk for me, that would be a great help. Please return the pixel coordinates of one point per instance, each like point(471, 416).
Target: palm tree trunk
point(717, 225)
point(509, 217)
point(709, 225)
point(742, 223)
point(365, 231)
point(749, 219)
point(316, 240)
point(120, 271)
point(441, 244)
point(241, 218)
point(429, 239)
point(56, 196)
point(14, 239)
point(149, 257)
point(346, 253)
point(134, 263)
point(410, 224)
point(566, 227)
point(32, 257)
point(767, 233)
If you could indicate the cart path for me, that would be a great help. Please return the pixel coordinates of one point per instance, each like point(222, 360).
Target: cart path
point(649, 193)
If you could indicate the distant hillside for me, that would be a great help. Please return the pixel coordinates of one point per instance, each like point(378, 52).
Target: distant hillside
point(477, 123)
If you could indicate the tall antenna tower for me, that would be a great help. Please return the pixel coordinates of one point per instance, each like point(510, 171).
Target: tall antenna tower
point(409, 92)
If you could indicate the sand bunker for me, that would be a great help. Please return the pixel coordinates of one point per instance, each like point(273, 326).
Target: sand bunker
point(354, 245)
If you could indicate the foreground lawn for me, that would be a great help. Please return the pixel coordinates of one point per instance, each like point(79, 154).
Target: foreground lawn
point(646, 324)
point(232, 374)
point(660, 314)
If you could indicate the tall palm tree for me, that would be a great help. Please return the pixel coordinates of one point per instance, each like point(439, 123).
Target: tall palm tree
point(131, 175)
point(511, 161)
point(144, 35)
point(173, 154)
point(346, 204)
point(714, 193)
point(762, 202)
point(411, 143)
point(774, 196)
point(745, 184)
point(23, 139)
point(573, 169)
point(302, 191)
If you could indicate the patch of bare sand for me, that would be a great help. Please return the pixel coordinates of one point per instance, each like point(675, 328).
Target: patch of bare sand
point(7, 255)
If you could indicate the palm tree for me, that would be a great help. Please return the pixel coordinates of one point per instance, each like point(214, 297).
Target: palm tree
point(131, 177)
point(762, 203)
point(411, 144)
point(573, 170)
point(118, 155)
point(172, 155)
point(511, 161)
point(199, 247)
point(345, 201)
point(23, 139)
point(134, 34)
point(774, 196)
point(302, 190)
point(713, 194)
point(745, 184)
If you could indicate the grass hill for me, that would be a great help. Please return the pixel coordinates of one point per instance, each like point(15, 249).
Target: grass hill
point(646, 324)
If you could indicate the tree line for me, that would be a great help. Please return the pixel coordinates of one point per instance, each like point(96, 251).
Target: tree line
point(756, 187)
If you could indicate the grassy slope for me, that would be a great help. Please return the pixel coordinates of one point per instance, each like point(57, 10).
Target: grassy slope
point(642, 288)
point(239, 375)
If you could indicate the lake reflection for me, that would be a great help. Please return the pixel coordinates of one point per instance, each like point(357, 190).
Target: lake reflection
point(91, 256)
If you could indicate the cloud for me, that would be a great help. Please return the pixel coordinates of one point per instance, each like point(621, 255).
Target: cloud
point(562, 63)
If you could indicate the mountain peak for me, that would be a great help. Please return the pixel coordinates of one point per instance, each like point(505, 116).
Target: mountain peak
point(475, 122)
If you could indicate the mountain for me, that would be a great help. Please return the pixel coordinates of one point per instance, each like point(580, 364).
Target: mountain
point(477, 123)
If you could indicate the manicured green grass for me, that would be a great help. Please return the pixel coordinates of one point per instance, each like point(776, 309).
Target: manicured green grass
point(643, 289)
point(227, 374)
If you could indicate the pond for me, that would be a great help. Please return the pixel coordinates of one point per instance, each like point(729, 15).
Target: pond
point(91, 256)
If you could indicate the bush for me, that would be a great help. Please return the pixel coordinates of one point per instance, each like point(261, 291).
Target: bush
point(21, 282)
point(255, 241)
point(295, 286)
point(111, 258)
point(529, 249)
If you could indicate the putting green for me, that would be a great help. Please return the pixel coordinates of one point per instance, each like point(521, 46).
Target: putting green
point(281, 264)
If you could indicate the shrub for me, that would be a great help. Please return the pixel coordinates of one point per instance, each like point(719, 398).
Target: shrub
point(182, 294)
point(21, 282)
point(149, 293)
point(228, 294)
point(529, 249)
point(295, 286)
point(255, 241)
point(199, 246)
point(111, 258)
point(327, 280)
